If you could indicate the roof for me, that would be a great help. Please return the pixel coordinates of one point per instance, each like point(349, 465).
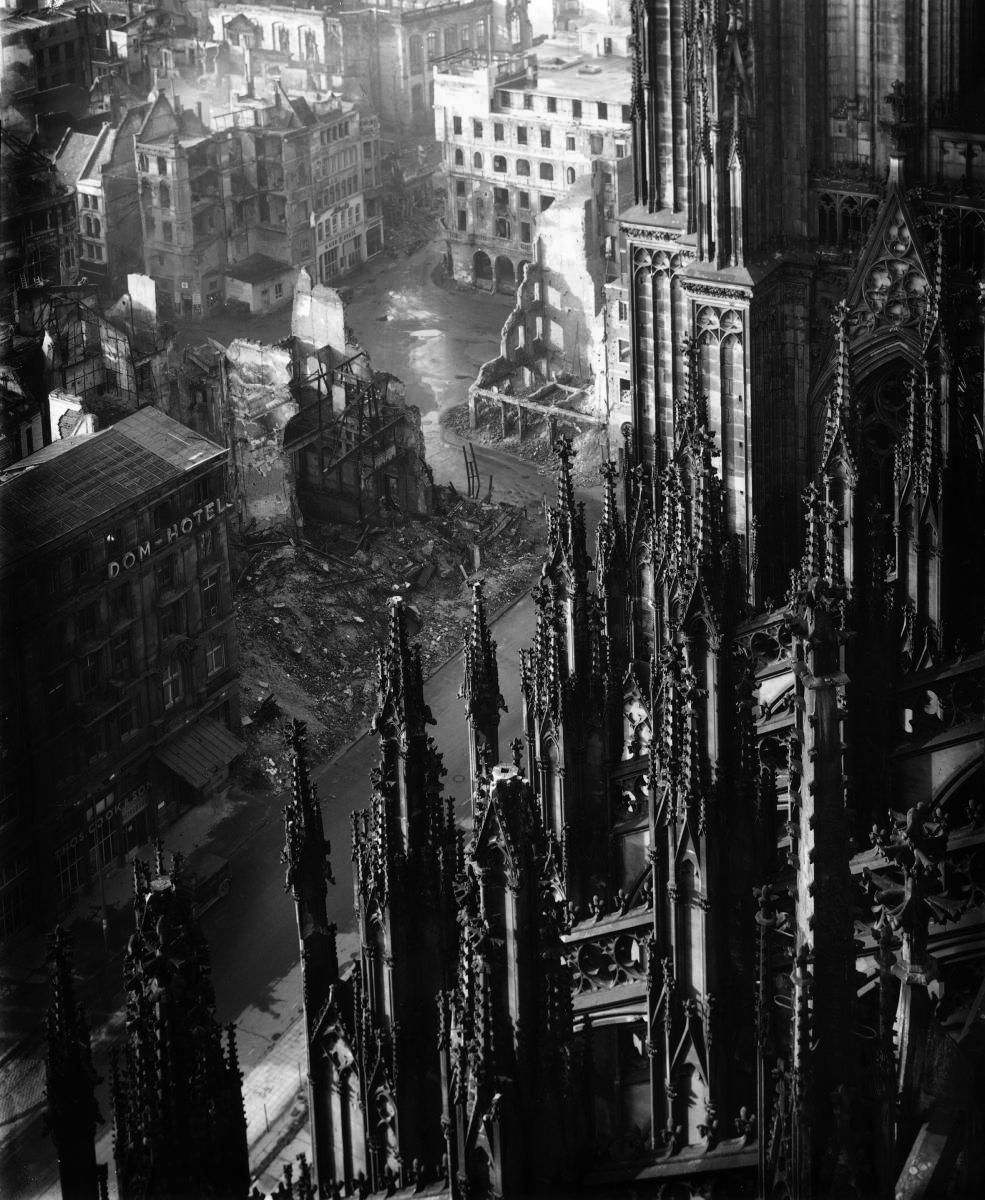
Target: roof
point(569, 74)
point(199, 753)
point(67, 486)
point(257, 268)
point(73, 154)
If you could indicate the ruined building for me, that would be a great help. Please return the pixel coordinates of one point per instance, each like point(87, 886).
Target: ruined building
point(717, 930)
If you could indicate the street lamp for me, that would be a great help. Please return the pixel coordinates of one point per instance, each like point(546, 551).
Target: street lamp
point(96, 827)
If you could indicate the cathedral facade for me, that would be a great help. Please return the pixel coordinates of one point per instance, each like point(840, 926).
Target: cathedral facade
point(715, 928)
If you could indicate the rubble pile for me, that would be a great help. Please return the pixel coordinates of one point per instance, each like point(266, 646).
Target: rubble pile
point(310, 616)
point(592, 446)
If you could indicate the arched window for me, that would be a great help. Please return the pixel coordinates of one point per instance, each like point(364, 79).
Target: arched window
point(416, 54)
point(499, 162)
point(432, 45)
point(522, 167)
point(477, 161)
point(164, 196)
point(546, 171)
point(570, 174)
point(459, 158)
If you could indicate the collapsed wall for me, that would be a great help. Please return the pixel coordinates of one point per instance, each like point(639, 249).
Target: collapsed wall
point(551, 346)
point(260, 404)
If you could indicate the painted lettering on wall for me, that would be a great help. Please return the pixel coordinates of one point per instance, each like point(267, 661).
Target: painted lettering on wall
point(202, 515)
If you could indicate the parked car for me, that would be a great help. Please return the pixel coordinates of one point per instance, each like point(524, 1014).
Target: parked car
point(207, 877)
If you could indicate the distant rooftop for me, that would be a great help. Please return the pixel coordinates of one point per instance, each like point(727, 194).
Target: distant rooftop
point(71, 484)
point(563, 71)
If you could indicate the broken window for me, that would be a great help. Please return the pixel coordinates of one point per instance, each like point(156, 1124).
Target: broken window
point(501, 196)
point(499, 163)
point(502, 227)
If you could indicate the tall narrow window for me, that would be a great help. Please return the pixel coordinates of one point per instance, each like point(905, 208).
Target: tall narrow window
point(172, 683)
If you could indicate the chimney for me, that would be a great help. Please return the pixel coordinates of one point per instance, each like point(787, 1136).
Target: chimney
point(198, 109)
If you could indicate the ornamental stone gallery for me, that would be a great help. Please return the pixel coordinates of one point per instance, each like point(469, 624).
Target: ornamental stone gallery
point(202, 515)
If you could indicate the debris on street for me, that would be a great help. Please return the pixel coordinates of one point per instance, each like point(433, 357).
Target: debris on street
point(310, 616)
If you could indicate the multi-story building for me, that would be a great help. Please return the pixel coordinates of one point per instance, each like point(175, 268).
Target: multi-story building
point(308, 36)
point(182, 212)
point(391, 52)
point(101, 168)
point(38, 225)
point(381, 52)
point(518, 134)
point(310, 192)
point(47, 63)
point(119, 651)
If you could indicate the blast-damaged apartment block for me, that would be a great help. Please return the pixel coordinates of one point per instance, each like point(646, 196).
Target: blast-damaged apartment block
point(37, 221)
point(181, 208)
point(356, 447)
point(312, 193)
point(518, 134)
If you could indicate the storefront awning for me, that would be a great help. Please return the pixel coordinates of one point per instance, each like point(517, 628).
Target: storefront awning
point(201, 754)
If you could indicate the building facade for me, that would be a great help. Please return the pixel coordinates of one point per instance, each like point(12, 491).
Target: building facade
point(181, 208)
point(38, 224)
point(392, 51)
point(518, 135)
point(120, 674)
point(103, 172)
point(726, 901)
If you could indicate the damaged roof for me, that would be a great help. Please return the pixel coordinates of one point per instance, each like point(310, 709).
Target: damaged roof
point(68, 486)
point(257, 268)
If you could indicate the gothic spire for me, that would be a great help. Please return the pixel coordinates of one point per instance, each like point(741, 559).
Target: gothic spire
point(566, 520)
point(178, 1106)
point(480, 689)
point(72, 1113)
point(400, 687)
